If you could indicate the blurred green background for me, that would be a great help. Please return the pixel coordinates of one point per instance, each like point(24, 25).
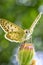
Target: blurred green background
point(23, 13)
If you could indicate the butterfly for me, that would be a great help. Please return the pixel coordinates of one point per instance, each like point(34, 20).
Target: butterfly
point(13, 32)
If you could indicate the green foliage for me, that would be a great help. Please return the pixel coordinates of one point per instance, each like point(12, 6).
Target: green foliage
point(12, 11)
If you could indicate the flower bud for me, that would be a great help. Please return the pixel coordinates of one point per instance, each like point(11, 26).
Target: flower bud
point(25, 54)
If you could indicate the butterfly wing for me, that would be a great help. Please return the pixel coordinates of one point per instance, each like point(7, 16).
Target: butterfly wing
point(13, 32)
point(14, 36)
point(8, 26)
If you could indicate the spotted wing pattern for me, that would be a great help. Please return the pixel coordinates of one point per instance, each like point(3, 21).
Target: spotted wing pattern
point(12, 31)
point(8, 26)
point(14, 36)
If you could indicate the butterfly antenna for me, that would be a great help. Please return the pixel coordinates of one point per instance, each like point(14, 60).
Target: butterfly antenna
point(35, 22)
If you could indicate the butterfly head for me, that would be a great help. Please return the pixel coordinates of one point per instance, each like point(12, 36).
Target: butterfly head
point(27, 34)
